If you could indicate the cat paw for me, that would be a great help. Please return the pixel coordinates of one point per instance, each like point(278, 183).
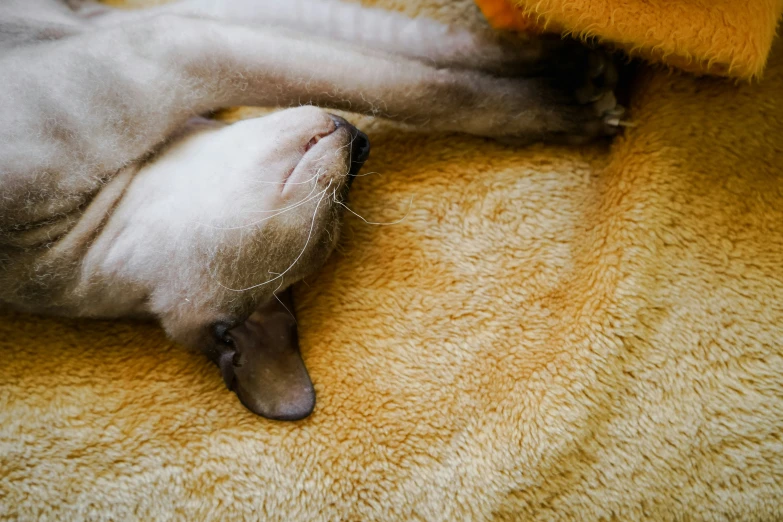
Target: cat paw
point(574, 103)
point(586, 99)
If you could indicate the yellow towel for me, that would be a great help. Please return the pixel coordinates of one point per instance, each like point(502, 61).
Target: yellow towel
point(724, 37)
point(550, 334)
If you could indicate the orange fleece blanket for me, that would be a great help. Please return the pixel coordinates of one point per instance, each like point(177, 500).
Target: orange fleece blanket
point(558, 334)
point(723, 37)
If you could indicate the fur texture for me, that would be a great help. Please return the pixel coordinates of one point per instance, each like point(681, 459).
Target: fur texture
point(112, 205)
point(722, 37)
point(550, 334)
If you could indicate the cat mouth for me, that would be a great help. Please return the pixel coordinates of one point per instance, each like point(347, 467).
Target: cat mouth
point(358, 145)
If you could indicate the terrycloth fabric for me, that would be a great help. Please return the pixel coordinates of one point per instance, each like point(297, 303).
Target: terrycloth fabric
point(725, 37)
point(550, 334)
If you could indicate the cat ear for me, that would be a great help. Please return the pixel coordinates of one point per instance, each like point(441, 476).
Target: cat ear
point(266, 370)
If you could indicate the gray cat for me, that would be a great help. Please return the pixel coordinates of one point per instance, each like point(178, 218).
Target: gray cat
point(115, 201)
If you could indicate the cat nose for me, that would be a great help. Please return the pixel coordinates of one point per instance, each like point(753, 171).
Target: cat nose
point(359, 146)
